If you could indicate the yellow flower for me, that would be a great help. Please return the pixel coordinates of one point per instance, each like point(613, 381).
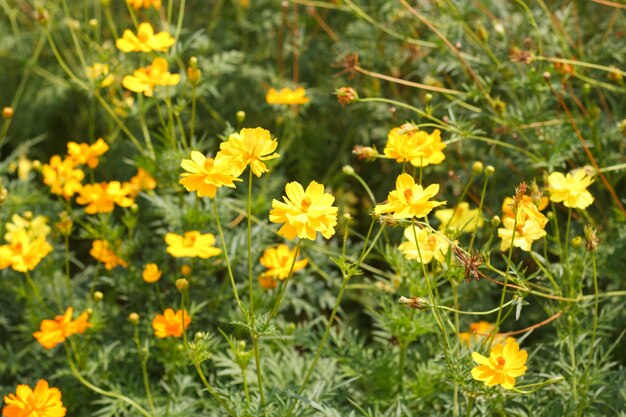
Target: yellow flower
point(24, 166)
point(99, 74)
point(526, 209)
point(101, 251)
point(185, 270)
point(206, 175)
point(479, 331)
point(571, 190)
point(43, 401)
point(287, 96)
point(53, 332)
point(145, 40)
point(409, 144)
point(461, 218)
point(83, 153)
point(192, 244)
point(137, 4)
point(145, 79)
point(61, 176)
point(250, 147)
point(304, 213)
point(140, 182)
point(430, 245)
point(23, 253)
point(409, 200)
point(102, 197)
point(525, 234)
point(278, 261)
point(505, 363)
point(170, 323)
point(151, 273)
point(33, 227)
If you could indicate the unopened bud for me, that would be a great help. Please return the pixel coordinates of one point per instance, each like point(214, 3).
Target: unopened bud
point(241, 116)
point(365, 152)
point(546, 75)
point(4, 193)
point(495, 221)
point(42, 16)
point(97, 296)
point(416, 303)
point(242, 345)
point(346, 95)
point(428, 98)
point(614, 74)
point(347, 217)
point(489, 170)
point(89, 311)
point(7, 112)
point(348, 170)
point(134, 208)
point(182, 284)
point(477, 167)
point(93, 23)
point(185, 270)
point(577, 242)
point(133, 318)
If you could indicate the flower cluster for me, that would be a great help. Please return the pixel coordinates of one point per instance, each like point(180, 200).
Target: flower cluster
point(101, 251)
point(523, 222)
point(26, 242)
point(409, 144)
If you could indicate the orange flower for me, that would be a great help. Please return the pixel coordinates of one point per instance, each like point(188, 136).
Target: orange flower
point(102, 252)
point(61, 176)
point(43, 401)
point(192, 244)
point(53, 332)
point(151, 273)
point(140, 182)
point(479, 331)
point(83, 153)
point(287, 96)
point(267, 282)
point(205, 175)
point(102, 197)
point(170, 323)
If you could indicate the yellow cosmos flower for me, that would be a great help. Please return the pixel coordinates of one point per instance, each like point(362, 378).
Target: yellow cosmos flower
point(505, 363)
point(102, 197)
point(429, 243)
point(43, 401)
point(151, 273)
point(571, 190)
point(250, 147)
point(525, 234)
point(138, 4)
point(278, 262)
point(461, 218)
point(409, 144)
point(409, 199)
point(99, 74)
point(33, 227)
point(83, 153)
point(23, 253)
point(526, 210)
point(145, 40)
point(305, 212)
point(101, 251)
point(142, 181)
point(62, 177)
point(287, 96)
point(478, 332)
point(205, 175)
point(170, 323)
point(53, 332)
point(192, 244)
point(145, 79)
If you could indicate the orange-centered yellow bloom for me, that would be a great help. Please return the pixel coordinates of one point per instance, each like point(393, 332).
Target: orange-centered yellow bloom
point(43, 401)
point(192, 244)
point(526, 210)
point(429, 245)
point(61, 176)
point(151, 273)
point(461, 218)
point(250, 147)
point(101, 251)
point(278, 261)
point(205, 175)
point(505, 363)
point(287, 96)
point(83, 153)
point(409, 144)
point(145, 40)
point(525, 234)
point(170, 323)
point(409, 199)
point(33, 227)
point(53, 332)
point(145, 79)
point(305, 212)
point(101, 198)
point(138, 4)
point(571, 190)
point(24, 252)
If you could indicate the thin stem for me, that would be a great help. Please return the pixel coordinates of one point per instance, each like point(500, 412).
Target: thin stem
point(479, 215)
point(144, 370)
point(283, 288)
point(566, 254)
point(228, 266)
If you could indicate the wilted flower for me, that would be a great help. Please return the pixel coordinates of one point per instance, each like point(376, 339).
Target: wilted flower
point(102, 197)
point(505, 363)
point(62, 177)
point(305, 212)
point(429, 243)
point(145, 40)
point(287, 96)
point(409, 199)
point(170, 323)
point(101, 251)
point(53, 332)
point(409, 144)
point(145, 79)
point(43, 401)
point(83, 153)
point(151, 273)
point(192, 244)
point(571, 190)
point(461, 218)
point(205, 175)
point(249, 147)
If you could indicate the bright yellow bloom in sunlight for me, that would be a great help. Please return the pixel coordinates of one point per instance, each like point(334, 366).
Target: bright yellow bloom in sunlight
point(145, 79)
point(287, 96)
point(101, 251)
point(409, 144)
point(305, 212)
point(151, 273)
point(34, 227)
point(570, 189)
point(430, 244)
point(478, 332)
point(83, 153)
point(526, 210)
point(138, 4)
point(278, 261)
point(505, 363)
point(99, 73)
point(145, 40)
point(102, 197)
point(53, 332)
point(170, 323)
point(409, 199)
point(24, 252)
point(205, 175)
point(43, 401)
point(250, 147)
point(461, 218)
point(142, 181)
point(62, 177)
point(525, 234)
point(192, 244)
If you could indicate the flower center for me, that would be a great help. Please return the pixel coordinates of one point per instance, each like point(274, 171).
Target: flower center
point(189, 242)
point(408, 194)
point(305, 204)
point(143, 37)
point(501, 361)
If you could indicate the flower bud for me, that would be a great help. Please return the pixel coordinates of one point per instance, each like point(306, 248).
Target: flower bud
point(89, 311)
point(93, 23)
point(241, 116)
point(477, 167)
point(65, 224)
point(576, 242)
point(241, 345)
point(546, 75)
point(97, 296)
point(614, 74)
point(182, 284)
point(346, 95)
point(133, 318)
point(134, 208)
point(489, 170)
point(347, 217)
point(428, 98)
point(365, 152)
point(7, 112)
point(185, 270)
point(36, 164)
point(495, 221)
point(348, 170)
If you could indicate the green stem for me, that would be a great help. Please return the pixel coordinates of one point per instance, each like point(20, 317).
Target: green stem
point(565, 261)
point(144, 369)
point(480, 214)
point(283, 287)
point(228, 266)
